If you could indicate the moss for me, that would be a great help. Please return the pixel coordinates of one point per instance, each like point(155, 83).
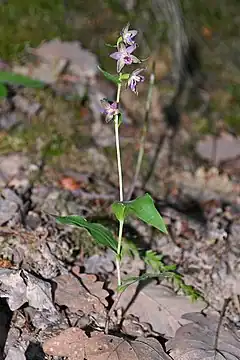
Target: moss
point(27, 23)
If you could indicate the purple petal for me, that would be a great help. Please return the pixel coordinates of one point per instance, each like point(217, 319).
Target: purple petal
point(131, 48)
point(116, 55)
point(133, 86)
point(114, 105)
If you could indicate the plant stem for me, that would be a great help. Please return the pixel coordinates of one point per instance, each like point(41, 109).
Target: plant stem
point(144, 133)
point(120, 178)
point(121, 222)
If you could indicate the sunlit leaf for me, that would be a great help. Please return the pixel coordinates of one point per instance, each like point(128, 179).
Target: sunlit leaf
point(118, 209)
point(17, 79)
point(100, 234)
point(110, 77)
point(143, 207)
point(3, 91)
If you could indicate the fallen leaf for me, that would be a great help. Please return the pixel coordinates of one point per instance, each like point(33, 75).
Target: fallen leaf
point(159, 306)
point(92, 285)
point(15, 353)
point(20, 287)
point(69, 342)
point(77, 296)
point(39, 296)
point(74, 344)
point(100, 264)
point(206, 32)
point(13, 288)
point(69, 183)
point(226, 147)
point(5, 263)
point(197, 339)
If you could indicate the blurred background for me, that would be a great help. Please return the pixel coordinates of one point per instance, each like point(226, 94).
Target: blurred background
point(194, 44)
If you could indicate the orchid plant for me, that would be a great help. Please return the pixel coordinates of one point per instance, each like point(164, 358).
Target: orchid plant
point(142, 207)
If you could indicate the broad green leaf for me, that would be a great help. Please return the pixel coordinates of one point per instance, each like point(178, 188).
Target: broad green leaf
point(17, 79)
point(100, 234)
point(118, 209)
point(110, 77)
point(3, 91)
point(143, 207)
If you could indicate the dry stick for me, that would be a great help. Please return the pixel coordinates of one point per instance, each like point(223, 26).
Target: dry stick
point(223, 311)
point(144, 133)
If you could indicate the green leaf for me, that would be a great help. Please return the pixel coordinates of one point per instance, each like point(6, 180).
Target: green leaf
point(124, 76)
point(118, 209)
point(119, 40)
point(115, 79)
point(17, 79)
point(3, 91)
point(120, 119)
point(131, 280)
point(110, 45)
point(100, 234)
point(143, 207)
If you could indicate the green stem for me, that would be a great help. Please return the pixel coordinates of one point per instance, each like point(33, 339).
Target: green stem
point(120, 179)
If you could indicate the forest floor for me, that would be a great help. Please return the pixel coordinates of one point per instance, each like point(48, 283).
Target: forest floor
point(57, 157)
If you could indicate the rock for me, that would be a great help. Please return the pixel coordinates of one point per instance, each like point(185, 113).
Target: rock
point(226, 147)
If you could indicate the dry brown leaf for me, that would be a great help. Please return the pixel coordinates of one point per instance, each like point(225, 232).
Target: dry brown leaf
point(197, 340)
point(160, 307)
point(92, 285)
point(227, 147)
point(69, 342)
point(69, 183)
point(20, 287)
point(74, 343)
point(81, 295)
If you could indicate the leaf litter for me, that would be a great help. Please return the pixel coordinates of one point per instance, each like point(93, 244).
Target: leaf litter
point(197, 340)
point(77, 346)
point(46, 280)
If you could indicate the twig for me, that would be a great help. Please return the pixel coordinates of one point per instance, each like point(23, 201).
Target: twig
point(110, 313)
point(223, 311)
point(154, 160)
point(144, 132)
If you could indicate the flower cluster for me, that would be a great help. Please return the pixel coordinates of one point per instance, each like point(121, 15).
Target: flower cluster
point(126, 45)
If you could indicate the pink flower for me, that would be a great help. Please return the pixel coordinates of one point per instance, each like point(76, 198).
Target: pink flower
point(110, 109)
point(134, 79)
point(124, 56)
